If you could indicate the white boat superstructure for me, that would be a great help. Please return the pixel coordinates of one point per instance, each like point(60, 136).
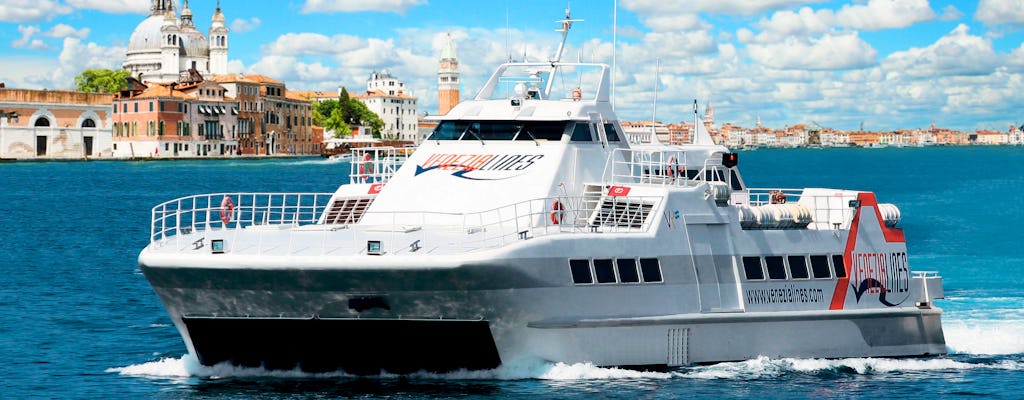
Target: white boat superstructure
point(528, 227)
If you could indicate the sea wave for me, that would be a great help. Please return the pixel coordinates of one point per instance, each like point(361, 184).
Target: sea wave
point(760, 368)
point(984, 337)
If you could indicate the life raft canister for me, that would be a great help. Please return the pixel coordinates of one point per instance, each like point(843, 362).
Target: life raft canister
point(557, 212)
point(226, 208)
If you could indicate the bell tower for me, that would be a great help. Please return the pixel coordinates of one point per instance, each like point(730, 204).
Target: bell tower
point(218, 38)
point(448, 79)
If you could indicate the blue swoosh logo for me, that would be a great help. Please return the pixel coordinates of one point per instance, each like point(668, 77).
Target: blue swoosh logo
point(458, 174)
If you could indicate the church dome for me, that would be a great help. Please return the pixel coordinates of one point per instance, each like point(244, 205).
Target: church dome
point(147, 35)
point(193, 43)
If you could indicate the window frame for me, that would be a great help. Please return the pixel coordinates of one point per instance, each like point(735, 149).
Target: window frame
point(789, 267)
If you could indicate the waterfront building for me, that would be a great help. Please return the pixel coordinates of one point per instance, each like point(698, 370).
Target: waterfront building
point(386, 96)
point(987, 137)
point(54, 124)
point(286, 126)
point(166, 48)
point(448, 79)
point(174, 121)
point(229, 115)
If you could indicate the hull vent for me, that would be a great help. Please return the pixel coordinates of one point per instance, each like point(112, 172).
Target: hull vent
point(620, 212)
point(347, 210)
point(678, 347)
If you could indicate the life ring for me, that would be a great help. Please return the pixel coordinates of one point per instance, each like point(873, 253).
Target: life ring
point(778, 197)
point(557, 212)
point(577, 94)
point(226, 208)
point(670, 167)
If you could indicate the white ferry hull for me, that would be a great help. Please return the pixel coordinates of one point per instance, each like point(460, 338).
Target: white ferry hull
point(480, 316)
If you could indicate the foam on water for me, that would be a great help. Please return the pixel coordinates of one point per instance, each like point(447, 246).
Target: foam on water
point(984, 337)
point(188, 366)
point(763, 367)
point(760, 368)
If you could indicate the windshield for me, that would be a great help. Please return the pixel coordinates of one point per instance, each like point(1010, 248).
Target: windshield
point(499, 130)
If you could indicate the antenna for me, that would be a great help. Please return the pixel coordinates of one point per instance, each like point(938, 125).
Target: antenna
point(615, 47)
point(654, 114)
point(566, 25)
point(508, 35)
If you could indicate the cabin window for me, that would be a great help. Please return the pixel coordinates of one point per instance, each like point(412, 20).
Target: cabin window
point(776, 269)
point(604, 271)
point(580, 270)
point(611, 133)
point(798, 267)
point(838, 265)
point(627, 270)
point(734, 178)
point(752, 268)
point(498, 130)
point(819, 266)
point(581, 133)
point(650, 269)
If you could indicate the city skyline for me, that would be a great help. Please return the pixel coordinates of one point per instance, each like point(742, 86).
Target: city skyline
point(886, 64)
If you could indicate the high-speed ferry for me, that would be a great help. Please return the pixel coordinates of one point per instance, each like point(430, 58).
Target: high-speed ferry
point(529, 226)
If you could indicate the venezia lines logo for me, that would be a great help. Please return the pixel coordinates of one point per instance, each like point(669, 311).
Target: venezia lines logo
point(480, 167)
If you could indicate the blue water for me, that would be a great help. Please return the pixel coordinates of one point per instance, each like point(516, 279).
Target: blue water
point(78, 320)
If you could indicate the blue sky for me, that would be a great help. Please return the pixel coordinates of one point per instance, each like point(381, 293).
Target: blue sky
point(888, 64)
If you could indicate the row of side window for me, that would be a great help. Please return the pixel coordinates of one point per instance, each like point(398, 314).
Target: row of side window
point(619, 270)
point(794, 267)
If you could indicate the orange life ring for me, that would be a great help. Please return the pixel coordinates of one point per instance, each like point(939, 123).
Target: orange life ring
point(226, 208)
point(557, 212)
point(577, 94)
point(778, 197)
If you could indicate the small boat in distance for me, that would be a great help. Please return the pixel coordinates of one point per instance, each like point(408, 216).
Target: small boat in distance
point(529, 227)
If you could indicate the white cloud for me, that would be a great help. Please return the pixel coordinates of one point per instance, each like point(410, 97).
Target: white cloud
point(75, 57)
point(957, 53)
point(113, 6)
point(830, 52)
point(27, 41)
point(300, 44)
point(63, 31)
point(873, 16)
point(732, 7)
point(676, 22)
point(332, 6)
point(885, 14)
point(950, 13)
point(242, 25)
point(31, 10)
point(997, 12)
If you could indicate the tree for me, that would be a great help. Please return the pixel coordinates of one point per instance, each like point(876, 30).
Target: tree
point(102, 80)
point(366, 117)
point(322, 111)
point(354, 112)
point(345, 104)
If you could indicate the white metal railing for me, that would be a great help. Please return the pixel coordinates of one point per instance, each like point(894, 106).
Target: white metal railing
point(224, 210)
point(376, 164)
point(476, 230)
point(828, 211)
point(662, 167)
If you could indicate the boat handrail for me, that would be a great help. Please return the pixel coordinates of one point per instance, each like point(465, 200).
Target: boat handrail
point(495, 227)
point(661, 167)
point(376, 164)
point(220, 210)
